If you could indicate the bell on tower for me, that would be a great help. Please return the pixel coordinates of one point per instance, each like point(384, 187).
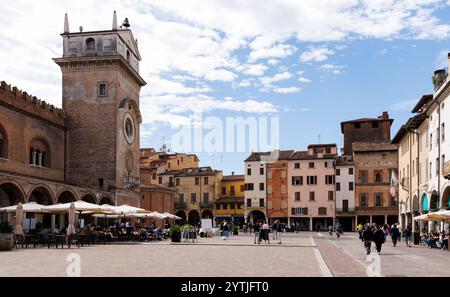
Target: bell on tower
point(126, 23)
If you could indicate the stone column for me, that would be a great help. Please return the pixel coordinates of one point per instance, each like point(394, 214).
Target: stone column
point(33, 157)
point(53, 222)
point(311, 228)
point(385, 219)
point(62, 221)
point(39, 159)
point(356, 222)
point(370, 219)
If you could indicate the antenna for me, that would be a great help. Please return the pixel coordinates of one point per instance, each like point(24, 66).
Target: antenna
point(319, 138)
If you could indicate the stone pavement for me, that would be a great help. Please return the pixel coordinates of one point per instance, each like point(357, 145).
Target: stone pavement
point(303, 254)
point(399, 261)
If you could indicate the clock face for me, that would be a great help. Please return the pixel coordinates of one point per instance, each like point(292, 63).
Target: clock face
point(129, 129)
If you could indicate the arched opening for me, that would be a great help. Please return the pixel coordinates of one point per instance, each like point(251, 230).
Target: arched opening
point(182, 215)
point(42, 195)
point(407, 205)
point(255, 216)
point(106, 200)
point(424, 204)
point(207, 214)
point(39, 153)
point(10, 194)
point(89, 198)
point(434, 201)
point(446, 198)
point(66, 197)
point(3, 144)
point(193, 217)
point(90, 44)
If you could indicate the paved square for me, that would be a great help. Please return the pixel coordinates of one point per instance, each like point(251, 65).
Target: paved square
point(304, 254)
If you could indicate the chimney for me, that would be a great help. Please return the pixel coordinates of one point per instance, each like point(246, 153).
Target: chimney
point(385, 115)
point(232, 173)
point(114, 26)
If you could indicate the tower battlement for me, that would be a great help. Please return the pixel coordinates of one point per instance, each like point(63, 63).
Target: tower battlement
point(21, 100)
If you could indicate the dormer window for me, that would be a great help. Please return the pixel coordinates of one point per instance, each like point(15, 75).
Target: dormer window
point(90, 44)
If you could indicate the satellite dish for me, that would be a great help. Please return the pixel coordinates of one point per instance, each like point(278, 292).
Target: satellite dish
point(126, 23)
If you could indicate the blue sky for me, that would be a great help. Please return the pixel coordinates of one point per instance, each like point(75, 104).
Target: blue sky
point(311, 63)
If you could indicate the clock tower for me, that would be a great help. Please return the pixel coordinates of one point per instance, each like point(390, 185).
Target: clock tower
point(101, 85)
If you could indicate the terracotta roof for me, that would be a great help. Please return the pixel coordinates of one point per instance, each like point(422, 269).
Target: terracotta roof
point(256, 156)
point(195, 171)
point(363, 120)
point(321, 145)
point(424, 100)
point(302, 155)
point(233, 177)
point(156, 187)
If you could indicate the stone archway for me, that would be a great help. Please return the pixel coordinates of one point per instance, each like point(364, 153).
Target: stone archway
point(10, 194)
point(424, 207)
point(445, 201)
point(256, 215)
point(41, 195)
point(207, 214)
point(106, 200)
point(89, 198)
point(66, 196)
point(434, 201)
point(193, 217)
point(182, 215)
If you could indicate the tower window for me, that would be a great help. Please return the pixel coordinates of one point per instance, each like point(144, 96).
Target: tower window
point(128, 56)
point(2, 145)
point(90, 44)
point(102, 90)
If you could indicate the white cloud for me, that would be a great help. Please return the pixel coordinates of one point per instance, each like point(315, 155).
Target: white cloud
point(304, 80)
point(273, 62)
point(316, 54)
point(220, 75)
point(288, 90)
point(335, 69)
point(306, 109)
point(267, 80)
point(245, 83)
point(277, 51)
point(254, 69)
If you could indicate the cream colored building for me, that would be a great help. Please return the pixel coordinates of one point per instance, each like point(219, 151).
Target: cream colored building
point(196, 191)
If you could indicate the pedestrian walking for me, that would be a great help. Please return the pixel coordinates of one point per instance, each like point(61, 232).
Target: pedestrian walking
point(256, 229)
point(378, 238)
point(367, 237)
point(360, 229)
point(395, 234)
point(279, 231)
point(266, 228)
point(275, 230)
point(330, 231)
point(408, 235)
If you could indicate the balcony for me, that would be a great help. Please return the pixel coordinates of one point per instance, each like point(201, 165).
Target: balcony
point(207, 205)
point(377, 209)
point(349, 210)
point(180, 205)
point(446, 170)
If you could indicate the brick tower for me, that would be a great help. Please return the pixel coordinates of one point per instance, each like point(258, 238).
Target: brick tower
point(101, 85)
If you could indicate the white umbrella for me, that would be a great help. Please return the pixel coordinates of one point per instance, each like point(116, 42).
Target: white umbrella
point(126, 209)
point(71, 227)
point(106, 216)
point(79, 205)
point(18, 230)
point(171, 216)
point(151, 215)
point(27, 207)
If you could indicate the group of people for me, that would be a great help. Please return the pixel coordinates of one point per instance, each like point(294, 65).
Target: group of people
point(435, 239)
point(338, 228)
point(379, 233)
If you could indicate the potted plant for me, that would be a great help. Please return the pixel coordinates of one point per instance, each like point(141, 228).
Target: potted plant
point(235, 230)
point(175, 233)
point(6, 237)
